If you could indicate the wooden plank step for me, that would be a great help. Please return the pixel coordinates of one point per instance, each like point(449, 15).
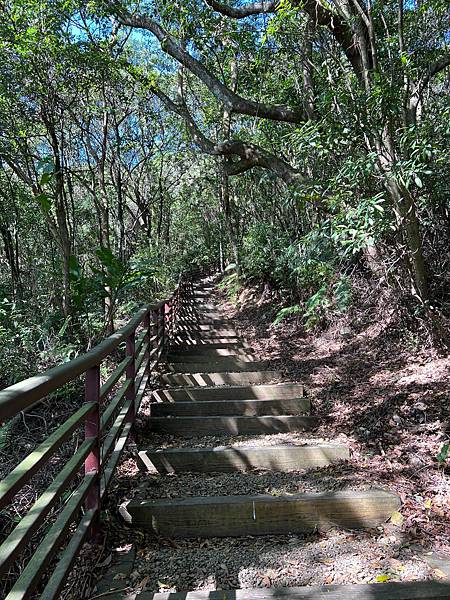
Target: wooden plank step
point(416, 590)
point(198, 345)
point(208, 307)
point(194, 341)
point(216, 425)
point(194, 323)
point(222, 333)
point(227, 460)
point(248, 408)
point(206, 329)
point(209, 379)
point(207, 341)
point(209, 354)
point(275, 391)
point(202, 313)
point(205, 334)
point(235, 516)
point(225, 365)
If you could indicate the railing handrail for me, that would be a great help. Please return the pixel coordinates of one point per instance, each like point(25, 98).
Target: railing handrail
point(111, 401)
point(22, 395)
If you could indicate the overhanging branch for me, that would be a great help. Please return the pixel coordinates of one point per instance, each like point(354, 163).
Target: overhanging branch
point(249, 155)
point(319, 14)
point(232, 101)
point(245, 10)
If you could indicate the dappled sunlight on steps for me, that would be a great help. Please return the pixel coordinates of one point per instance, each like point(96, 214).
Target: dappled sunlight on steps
point(214, 385)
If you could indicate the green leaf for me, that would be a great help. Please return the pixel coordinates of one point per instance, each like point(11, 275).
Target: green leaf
point(382, 578)
point(63, 329)
point(44, 201)
point(286, 312)
point(443, 454)
point(45, 178)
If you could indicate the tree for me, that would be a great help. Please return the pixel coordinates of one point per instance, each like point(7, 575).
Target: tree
point(383, 80)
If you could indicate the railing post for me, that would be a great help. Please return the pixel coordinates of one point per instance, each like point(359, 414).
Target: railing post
point(167, 325)
point(147, 328)
point(155, 334)
point(92, 430)
point(131, 374)
point(168, 310)
point(162, 326)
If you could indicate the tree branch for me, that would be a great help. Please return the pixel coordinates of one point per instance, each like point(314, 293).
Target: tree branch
point(320, 15)
point(245, 10)
point(250, 155)
point(416, 94)
point(435, 68)
point(232, 101)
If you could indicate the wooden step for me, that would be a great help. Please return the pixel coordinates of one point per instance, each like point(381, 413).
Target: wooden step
point(249, 408)
point(208, 341)
point(206, 330)
point(226, 460)
point(275, 391)
point(206, 336)
point(196, 426)
point(199, 345)
point(209, 354)
point(416, 590)
point(197, 314)
point(209, 379)
point(224, 365)
point(223, 516)
point(195, 322)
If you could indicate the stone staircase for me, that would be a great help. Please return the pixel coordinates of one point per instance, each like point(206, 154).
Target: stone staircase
point(215, 385)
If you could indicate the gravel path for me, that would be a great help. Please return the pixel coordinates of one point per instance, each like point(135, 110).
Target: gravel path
point(254, 482)
point(153, 440)
point(387, 553)
point(223, 563)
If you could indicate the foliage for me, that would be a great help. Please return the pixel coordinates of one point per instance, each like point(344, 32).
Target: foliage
point(106, 193)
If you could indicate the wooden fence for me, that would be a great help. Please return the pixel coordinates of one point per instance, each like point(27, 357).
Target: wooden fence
point(107, 415)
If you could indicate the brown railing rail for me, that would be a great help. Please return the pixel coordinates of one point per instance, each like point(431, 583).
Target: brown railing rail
point(107, 416)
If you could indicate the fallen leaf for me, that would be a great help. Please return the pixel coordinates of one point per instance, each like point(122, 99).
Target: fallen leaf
point(125, 548)
point(326, 561)
point(439, 574)
point(382, 578)
point(106, 562)
point(396, 518)
point(144, 582)
point(165, 586)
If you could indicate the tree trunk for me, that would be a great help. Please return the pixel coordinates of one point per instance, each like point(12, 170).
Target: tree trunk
point(408, 224)
point(62, 231)
point(226, 206)
point(12, 259)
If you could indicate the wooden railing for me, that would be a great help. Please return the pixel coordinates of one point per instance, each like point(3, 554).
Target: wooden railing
point(107, 415)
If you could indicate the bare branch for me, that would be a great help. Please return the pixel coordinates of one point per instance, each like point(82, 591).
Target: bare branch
point(245, 10)
point(417, 92)
point(435, 68)
point(250, 155)
point(319, 14)
point(232, 101)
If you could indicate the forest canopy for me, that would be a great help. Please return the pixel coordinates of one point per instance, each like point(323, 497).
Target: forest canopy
point(305, 143)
